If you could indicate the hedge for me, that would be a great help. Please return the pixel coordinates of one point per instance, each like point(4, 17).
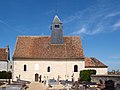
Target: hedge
point(85, 75)
point(5, 75)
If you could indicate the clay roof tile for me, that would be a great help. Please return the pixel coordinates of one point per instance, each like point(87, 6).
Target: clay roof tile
point(41, 47)
point(3, 54)
point(91, 62)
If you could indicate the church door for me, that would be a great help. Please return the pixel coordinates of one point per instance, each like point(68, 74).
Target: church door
point(36, 77)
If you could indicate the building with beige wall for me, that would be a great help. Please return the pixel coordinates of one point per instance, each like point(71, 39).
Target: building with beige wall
point(56, 56)
point(93, 63)
point(46, 68)
point(5, 63)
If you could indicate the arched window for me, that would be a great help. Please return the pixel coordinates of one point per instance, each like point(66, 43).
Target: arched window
point(10, 66)
point(25, 67)
point(48, 69)
point(75, 68)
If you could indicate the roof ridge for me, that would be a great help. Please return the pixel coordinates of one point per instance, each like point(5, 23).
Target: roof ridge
point(2, 48)
point(34, 36)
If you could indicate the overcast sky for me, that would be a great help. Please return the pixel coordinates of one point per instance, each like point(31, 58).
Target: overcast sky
point(97, 22)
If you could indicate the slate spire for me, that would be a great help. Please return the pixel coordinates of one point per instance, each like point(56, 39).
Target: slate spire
point(57, 32)
point(56, 20)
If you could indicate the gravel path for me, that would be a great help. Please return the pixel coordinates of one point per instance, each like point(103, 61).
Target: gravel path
point(36, 86)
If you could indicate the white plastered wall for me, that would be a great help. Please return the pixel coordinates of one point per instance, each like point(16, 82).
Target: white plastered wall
point(3, 66)
point(100, 71)
point(63, 68)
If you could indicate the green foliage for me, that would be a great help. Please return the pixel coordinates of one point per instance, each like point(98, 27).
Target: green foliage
point(5, 75)
point(85, 75)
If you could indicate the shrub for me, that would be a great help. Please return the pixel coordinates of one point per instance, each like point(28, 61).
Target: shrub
point(5, 75)
point(85, 75)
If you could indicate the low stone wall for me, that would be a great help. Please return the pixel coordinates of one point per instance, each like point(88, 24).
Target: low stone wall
point(102, 78)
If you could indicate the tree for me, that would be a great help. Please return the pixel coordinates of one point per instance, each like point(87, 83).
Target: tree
point(85, 75)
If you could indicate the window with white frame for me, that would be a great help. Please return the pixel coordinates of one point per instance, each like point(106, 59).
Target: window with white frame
point(25, 67)
point(75, 68)
point(48, 69)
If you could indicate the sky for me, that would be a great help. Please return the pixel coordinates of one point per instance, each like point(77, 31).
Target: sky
point(97, 22)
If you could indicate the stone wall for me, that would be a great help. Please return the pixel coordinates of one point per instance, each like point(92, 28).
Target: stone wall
point(103, 78)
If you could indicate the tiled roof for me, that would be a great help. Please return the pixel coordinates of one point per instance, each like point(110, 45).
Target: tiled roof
point(91, 62)
point(41, 47)
point(3, 54)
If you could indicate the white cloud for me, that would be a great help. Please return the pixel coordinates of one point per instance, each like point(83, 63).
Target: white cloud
point(72, 18)
point(117, 25)
point(115, 57)
point(113, 14)
point(95, 20)
point(95, 32)
point(0, 20)
point(83, 30)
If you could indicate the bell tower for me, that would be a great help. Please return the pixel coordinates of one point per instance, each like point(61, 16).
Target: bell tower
point(57, 32)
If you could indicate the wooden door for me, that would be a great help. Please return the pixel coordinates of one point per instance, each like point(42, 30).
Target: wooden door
point(36, 77)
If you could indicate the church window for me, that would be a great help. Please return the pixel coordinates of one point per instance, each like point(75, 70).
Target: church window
point(75, 68)
point(56, 26)
point(36, 66)
point(10, 66)
point(48, 69)
point(25, 67)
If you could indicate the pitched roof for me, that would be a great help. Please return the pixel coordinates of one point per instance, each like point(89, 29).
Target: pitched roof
point(4, 55)
point(91, 62)
point(41, 47)
point(56, 19)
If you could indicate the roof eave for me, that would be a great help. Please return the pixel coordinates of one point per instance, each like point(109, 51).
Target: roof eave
point(44, 58)
point(96, 66)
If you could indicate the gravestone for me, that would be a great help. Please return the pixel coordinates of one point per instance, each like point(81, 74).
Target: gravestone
point(109, 85)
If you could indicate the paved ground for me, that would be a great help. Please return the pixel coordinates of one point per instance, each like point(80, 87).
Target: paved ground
point(41, 86)
point(36, 86)
point(56, 87)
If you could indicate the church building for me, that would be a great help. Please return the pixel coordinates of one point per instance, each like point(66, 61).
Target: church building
point(56, 56)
